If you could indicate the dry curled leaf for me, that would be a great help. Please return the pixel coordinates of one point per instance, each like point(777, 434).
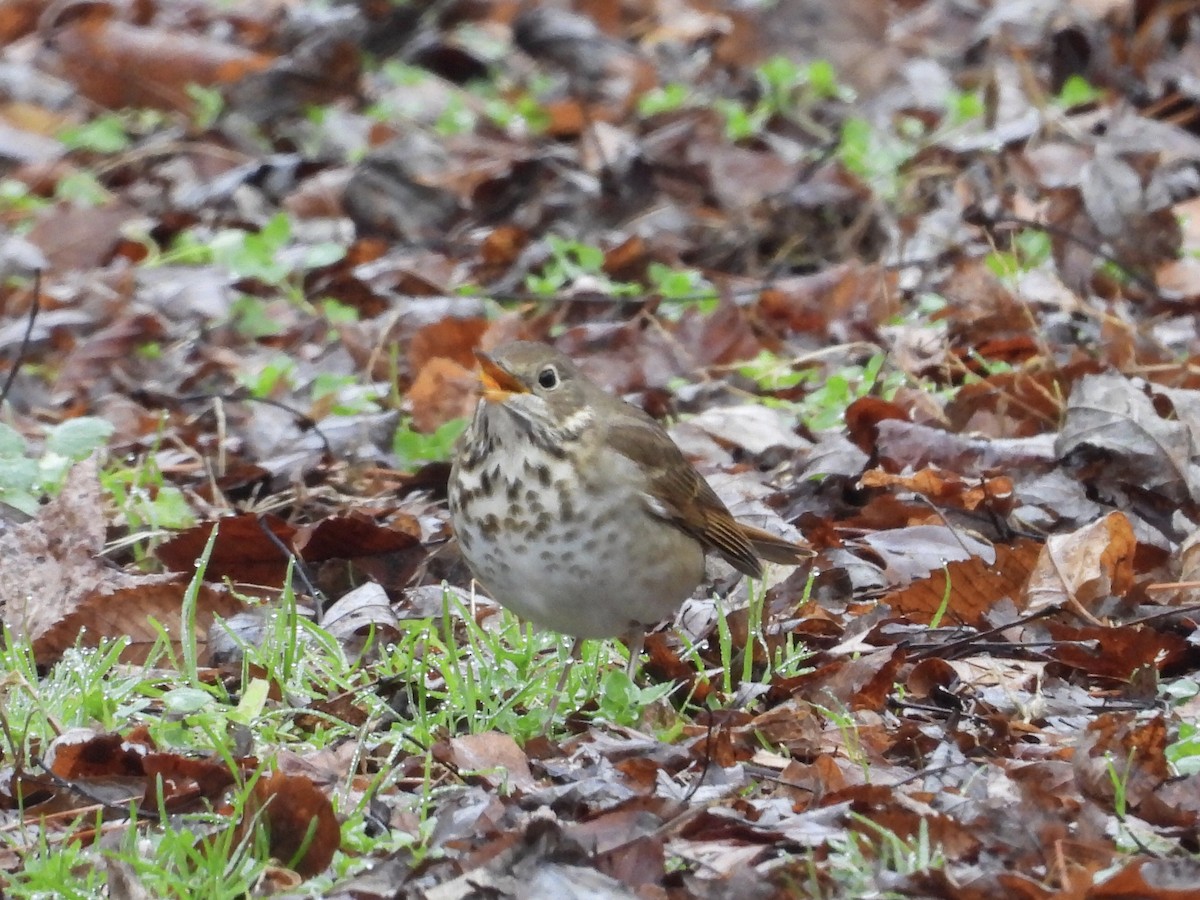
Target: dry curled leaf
point(1082, 569)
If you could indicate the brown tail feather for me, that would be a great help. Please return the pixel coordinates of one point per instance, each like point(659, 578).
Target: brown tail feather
point(775, 549)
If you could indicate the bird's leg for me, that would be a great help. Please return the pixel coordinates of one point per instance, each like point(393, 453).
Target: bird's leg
point(635, 640)
point(576, 647)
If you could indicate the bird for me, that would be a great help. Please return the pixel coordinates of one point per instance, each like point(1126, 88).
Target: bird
point(578, 512)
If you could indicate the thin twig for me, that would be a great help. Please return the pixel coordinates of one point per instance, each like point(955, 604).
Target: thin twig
point(300, 568)
point(34, 306)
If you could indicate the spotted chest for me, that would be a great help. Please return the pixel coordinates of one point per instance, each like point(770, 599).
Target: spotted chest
point(568, 544)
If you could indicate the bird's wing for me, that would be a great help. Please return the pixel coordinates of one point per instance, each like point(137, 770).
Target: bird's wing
point(675, 492)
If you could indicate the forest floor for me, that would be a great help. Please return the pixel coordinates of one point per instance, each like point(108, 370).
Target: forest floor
point(914, 281)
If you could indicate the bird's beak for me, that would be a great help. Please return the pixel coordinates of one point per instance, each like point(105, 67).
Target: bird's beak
point(498, 383)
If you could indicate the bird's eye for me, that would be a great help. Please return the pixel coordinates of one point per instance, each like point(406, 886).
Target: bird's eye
point(548, 378)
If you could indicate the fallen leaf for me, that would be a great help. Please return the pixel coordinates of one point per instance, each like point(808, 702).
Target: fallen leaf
point(1082, 569)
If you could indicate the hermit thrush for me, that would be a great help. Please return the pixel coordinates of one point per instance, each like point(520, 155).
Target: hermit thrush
point(578, 512)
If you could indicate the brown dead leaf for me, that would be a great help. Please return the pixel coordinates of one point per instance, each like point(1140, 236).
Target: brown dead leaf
point(1021, 403)
point(449, 338)
point(54, 586)
point(1117, 652)
point(910, 444)
point(315, 72)
point(130, 765)
point(320, 197)
point(98, 354)
point(502, 245)
point(75, 238)
point(795, 726)
point(354, 534)
point(627, 843)
point(18, 17)
point(864, 415)
point(982, 309)
point(141, 612)
point(1119, 751)
point(443, 390)
point(1074, 238)
point(975, 586)
point(1189, 558)
point(117, 64)
point(299, 821)
point(808, 783)
point(808, 303)
point(242, 551)
point(347, 706)
point(932, 677)
point(860, 683)
point(540, 860)
point(905, 817)
point(1182, 275)
point(1083, 568)
point(566, 118)
point(240, 481)
point(912, 552)
point(191, 780)
point(78, 754)
point(1175, 804)
point(1113, 432)
point(495, 758)
point(1131, 212)
point(1151, 879)
point(944, 488)
point(719, 338)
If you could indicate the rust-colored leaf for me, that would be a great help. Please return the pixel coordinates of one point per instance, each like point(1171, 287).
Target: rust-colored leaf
point(443, 390)
point(243, 550)
point(302, 829)
point(974, 585)
point(118, 64)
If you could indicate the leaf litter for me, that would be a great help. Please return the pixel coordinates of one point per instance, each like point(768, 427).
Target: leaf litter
point(930, 305)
